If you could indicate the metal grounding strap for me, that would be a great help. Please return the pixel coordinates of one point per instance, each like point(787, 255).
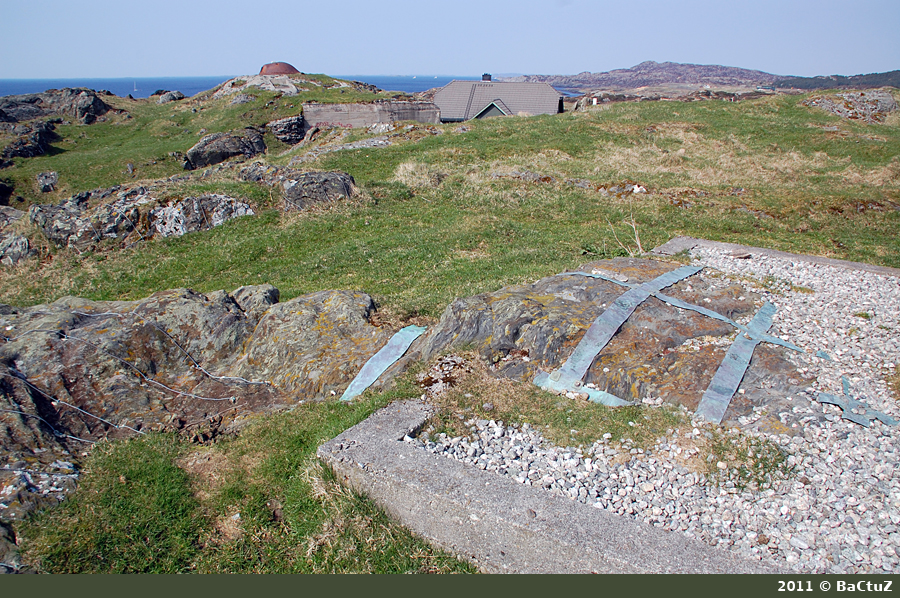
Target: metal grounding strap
point(731, 371)
point(697, 308)
point(570, 375)
point(854, 410)
point(381, 361)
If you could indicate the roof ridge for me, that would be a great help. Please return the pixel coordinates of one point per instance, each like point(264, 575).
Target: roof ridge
point(469, 104)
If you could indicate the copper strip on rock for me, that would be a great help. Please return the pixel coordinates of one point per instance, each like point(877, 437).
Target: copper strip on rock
point(381, 361)
point(700, 310)
point(728, 377)
point(598, 335)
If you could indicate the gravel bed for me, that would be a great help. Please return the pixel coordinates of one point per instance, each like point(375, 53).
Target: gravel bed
point(839, 512)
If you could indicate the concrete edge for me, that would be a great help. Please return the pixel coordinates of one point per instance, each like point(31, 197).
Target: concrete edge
point(496, 523)
point(679, 244)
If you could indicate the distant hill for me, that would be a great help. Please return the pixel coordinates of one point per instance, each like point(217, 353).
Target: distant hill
point(654, 74)
point(890, 78)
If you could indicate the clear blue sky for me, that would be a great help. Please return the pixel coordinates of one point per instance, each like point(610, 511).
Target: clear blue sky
point(112, 38)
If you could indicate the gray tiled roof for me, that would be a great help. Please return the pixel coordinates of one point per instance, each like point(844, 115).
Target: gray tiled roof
point(462, 100)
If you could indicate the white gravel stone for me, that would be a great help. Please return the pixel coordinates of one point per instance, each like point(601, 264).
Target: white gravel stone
point(840, 511)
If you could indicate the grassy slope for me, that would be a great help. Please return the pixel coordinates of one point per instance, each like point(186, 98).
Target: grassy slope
point(416, 246)
point(810, 183)
point(88, 157)
point(259, 503)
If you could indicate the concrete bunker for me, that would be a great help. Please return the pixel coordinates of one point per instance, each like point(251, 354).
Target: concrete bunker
point(365, 115)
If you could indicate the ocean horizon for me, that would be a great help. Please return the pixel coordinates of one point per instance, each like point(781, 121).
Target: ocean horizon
point(143, 87)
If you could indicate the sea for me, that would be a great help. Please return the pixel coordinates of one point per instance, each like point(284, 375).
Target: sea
point(142, 87)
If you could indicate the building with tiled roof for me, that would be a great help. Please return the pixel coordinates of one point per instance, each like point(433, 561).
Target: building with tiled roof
point(464, 100)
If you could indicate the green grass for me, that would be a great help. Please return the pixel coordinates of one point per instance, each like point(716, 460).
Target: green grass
point(133, 513)
point(433, 223)
point(257, 503)
point(750, 462)
point(93, 156)
point(415, 246)
point(563, 421)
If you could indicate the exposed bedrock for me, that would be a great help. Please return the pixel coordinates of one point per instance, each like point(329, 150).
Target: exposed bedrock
point(80, 103)
point(134, 213)
point(77, 370)
point(289, 130)
point(115, 359)
point(31, 140)
point(871, 106)
point(660, 351)
point(302, 189)
point(219, 147)
point(170, 96)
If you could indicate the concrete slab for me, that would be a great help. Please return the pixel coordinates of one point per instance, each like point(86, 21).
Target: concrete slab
point(679, 244)
point(498, 524)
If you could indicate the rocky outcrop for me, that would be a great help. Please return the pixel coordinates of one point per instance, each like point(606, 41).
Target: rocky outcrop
point(73, 223)
point(135, 213)
point(63, 221)
point(256, 299)
point(603, 98)
point(82, 104)
point(6, 191)
point(78, 370)
point(316, 187)
point(195, 214)
point(652, 73)
point(283, 84)
point(313, 346)
point(47, 181)
point(286, 85)
point(660, 351)
point(288, 130)
point(241, 98)
point(14, 249)
point(170, 96)
point(219, 147)
point(300, 189)
point(9, 215)
point(31, 140)
point(868, 81)
point(869, 106)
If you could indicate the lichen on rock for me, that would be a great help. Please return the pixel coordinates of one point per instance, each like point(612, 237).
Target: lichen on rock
point(196, 213)
point(218, 147)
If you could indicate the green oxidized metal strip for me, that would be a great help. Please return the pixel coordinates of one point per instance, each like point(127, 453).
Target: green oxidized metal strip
point(701, 310)
point(381, 361)
point(570, 375)
point(848, 404)
point(544, 381)
point(728, 377)
point(608, 323)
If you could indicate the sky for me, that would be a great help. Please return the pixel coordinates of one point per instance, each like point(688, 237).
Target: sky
point(174, 38)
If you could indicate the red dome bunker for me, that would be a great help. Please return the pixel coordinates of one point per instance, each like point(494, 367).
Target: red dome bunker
point(278, 68)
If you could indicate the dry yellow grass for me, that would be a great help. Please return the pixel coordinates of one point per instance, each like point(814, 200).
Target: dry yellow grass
point(705, 162)
point(877, 177)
